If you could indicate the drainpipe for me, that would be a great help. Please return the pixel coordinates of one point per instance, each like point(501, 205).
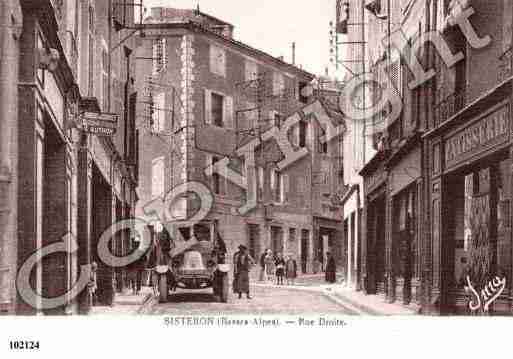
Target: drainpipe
point(10, 29)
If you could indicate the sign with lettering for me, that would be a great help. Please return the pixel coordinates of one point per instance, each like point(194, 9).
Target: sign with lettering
point(488, 131)
point(100, 124)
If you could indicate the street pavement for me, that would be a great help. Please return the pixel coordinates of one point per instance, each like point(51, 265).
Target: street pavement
point(266, 301)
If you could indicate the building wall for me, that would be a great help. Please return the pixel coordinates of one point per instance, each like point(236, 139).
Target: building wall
point(188, 73)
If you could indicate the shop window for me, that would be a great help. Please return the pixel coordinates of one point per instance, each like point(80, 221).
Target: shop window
point(480, 212)
point(405, 246)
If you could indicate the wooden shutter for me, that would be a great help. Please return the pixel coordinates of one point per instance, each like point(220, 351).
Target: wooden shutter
point(228, 113)
point(164, 52)
point(208, 107)
point(295, 135)
point(285, 187)
point(155, 57)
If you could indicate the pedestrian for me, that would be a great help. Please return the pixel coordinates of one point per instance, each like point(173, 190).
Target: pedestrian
point(262, 275)
point(242, 263)
point(331, 269)
point(93, 283)
point(280, 269)
point(270, 266)
point(290, 270)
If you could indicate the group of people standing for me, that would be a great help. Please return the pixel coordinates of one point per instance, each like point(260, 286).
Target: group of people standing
point(274, 268)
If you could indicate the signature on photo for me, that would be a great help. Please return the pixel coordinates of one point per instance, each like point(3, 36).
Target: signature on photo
point(488, 294)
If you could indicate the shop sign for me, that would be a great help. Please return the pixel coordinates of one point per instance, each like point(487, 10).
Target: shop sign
point(100, 124)
point(376, 179)
point(488, 131)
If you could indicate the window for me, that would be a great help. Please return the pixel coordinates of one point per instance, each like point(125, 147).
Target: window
point(90, 41)
point(217, 61)
point(278, 84)
point(292, 234)
point(303, 127)
point(254, 239)
point(279, 183)
point(105, 79)
point(323, 146)
point(216, 178)
point(260, 182)
point(276, 118)
point(158, 115)
point(159, 55)
point(157, 174)
point(40, 72)
point(251, 70)
point(303, 94)
point(217, 109)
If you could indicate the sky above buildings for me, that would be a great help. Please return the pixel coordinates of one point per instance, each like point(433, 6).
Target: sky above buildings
point(272, 26)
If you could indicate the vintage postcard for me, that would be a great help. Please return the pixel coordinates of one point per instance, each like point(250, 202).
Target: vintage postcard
point(272, 164)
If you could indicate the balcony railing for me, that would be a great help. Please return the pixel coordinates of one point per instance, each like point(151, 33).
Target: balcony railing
point(449, 106)
point(505, 65)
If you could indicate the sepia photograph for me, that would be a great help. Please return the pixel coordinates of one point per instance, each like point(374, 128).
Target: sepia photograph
point(339, 166)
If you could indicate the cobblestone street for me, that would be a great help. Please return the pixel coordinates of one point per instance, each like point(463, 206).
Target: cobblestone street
point(265, 301)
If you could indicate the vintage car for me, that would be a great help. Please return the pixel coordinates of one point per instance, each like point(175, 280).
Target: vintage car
point(198, 267)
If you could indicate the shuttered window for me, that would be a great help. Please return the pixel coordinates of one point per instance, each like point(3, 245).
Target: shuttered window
point(159, 113)
point(159, 55)
point(217, 61)
point(219, 110)
point(157, 174)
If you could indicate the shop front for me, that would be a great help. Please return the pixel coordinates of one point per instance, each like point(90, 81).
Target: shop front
point(405, 200)
point(374, 248)
point(470, 203)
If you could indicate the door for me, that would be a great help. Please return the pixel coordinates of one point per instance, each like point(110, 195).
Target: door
point(305, 234)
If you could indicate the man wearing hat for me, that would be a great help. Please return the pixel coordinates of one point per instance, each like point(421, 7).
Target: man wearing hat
point(242, 263)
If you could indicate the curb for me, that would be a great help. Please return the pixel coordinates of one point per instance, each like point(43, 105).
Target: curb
point(371, 310)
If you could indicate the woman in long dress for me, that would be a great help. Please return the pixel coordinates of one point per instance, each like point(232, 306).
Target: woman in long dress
point(270, 267)
point(331, 269)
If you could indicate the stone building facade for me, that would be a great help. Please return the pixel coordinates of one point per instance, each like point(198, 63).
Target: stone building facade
point(437, 192)
point(212, 95)
point(72, 185)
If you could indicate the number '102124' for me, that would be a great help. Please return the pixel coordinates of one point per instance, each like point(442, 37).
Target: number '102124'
point(23, 345)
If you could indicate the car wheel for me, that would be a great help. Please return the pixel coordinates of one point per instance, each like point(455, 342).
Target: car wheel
point(163, 288)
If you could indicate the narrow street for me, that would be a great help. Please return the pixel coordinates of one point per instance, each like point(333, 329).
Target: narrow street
point(265, 301)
